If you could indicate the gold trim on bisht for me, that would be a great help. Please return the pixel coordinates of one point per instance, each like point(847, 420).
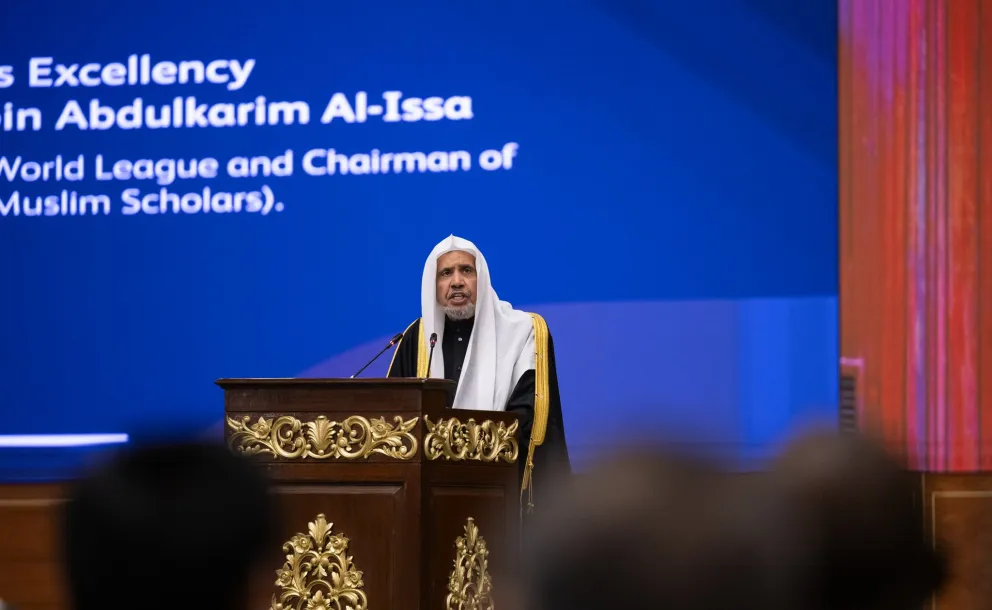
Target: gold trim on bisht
point(469, 585)
point(398, 344)
point(354, 438)
point(423, 357)
point(318, 572)
point(542, 402)
point(488, 441)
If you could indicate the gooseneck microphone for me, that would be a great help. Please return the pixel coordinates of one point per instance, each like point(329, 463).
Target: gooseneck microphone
point(430, 357)
point(391, 343)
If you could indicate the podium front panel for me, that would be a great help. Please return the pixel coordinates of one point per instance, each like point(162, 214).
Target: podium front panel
point(387, 499)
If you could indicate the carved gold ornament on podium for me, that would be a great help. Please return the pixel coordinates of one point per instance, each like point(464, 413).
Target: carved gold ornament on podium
point(486, 441)
point(318, 573)
point(354, 438)
point(469, 585)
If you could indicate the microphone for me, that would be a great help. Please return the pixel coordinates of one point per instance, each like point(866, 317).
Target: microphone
point(430, 357)
point(391, 343)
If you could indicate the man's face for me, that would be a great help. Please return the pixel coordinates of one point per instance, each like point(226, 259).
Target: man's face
point(457, 281)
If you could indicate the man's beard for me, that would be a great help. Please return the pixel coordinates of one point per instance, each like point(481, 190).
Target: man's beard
point(462, 312)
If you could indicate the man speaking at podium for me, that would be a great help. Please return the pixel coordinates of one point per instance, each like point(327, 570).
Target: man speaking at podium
point(501, 358)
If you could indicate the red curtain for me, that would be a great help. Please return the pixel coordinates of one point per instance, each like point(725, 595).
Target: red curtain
point(916, 224)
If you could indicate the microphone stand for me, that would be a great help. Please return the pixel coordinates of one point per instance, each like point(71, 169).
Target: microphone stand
point(391, 343)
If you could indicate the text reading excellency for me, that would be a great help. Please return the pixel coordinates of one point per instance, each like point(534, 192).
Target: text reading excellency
point(139, 70)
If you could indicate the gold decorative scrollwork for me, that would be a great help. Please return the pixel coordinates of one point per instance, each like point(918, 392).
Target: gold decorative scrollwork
point(318, 573)
point(488, 441)
point(469, 585)
point(354, 438)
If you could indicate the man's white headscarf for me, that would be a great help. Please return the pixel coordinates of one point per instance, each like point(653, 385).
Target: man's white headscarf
point(501, 348)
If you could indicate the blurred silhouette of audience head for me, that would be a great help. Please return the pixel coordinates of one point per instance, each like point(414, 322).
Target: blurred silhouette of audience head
point(860, 520)
point(653, 529)
point(834, 524)
point(166, 525)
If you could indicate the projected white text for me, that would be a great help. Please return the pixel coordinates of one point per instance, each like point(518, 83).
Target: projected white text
point(154, 186)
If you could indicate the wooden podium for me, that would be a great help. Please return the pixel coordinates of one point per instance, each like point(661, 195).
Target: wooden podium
point(389, 501)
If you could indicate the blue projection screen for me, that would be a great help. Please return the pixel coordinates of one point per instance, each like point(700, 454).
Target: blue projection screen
point(191, 191)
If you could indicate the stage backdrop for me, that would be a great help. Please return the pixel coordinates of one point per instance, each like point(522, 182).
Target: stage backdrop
point(196, 190)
